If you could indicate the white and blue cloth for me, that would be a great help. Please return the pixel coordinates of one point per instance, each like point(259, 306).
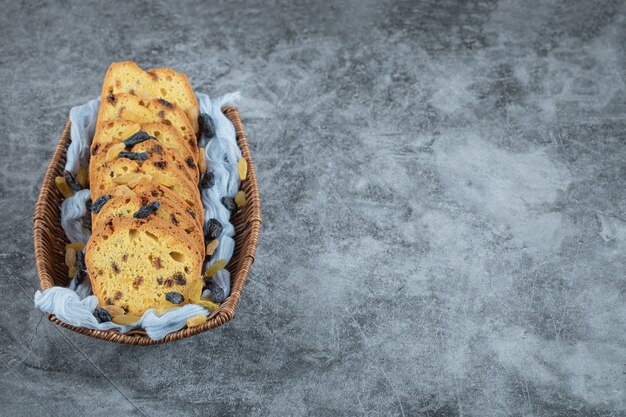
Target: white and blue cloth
point(75, 303)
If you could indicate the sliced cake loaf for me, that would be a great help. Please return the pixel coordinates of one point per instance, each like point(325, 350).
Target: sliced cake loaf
point(147, 244)
point(146, 205)
point(138, 264)
point(118, 130)
point(160, 83)
point(125, 171)
point(132, 108)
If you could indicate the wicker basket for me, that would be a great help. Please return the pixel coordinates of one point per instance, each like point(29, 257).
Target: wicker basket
point(50, 243)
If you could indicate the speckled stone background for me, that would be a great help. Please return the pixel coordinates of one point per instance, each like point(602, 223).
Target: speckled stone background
point(443, 191)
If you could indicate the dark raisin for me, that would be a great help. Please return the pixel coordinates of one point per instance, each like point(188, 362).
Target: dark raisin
point(80, 261)
point(217, 292)
point(95, 148)
point(99, 203)
point(191, 213)
point(166, 103)
point(147, 210)
point(207, 127)
point(174, 297)
point(179, 279)
point(137, 282)
point(101, 315)
point(160, 280)
point(136, 138)
point(157, 149)
point(71, 181)
point(190, 163)
point(212, 229)
point(169, 283)
point(208, 180)
point(124, 257)
point(87, 218)
point(173, 219)
point(108, 302)
point(160, 164)
point(135, 156)
point(118, 295)
point(156, 263)
point(116, 269)
point(229, 203)
point(111, 98)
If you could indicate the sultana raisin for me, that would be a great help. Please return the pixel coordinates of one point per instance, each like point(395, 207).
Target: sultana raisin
point(126, 319)
point(83, 177)
point(70, 257)
point(196, 320)
point(240, 198)
point(242, 168)
point(211, 246)
point(201, 160)
point(63, 187)
point(75, 245)
point(194, 290)
point(114, 310)
point(163, 180)
point(209, 305)
point(114, 151)
point(211, 270)
point(131, 179)
point(72, 271)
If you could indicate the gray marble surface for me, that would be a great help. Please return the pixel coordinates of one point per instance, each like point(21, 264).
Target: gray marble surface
point(442, 187)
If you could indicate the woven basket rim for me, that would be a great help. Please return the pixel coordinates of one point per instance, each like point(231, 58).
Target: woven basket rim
point(248, 226)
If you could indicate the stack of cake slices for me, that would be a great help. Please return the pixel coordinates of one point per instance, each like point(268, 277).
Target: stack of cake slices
point(147, 244)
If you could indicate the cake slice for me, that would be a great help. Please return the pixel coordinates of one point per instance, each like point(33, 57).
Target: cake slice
point(138, 264)
point(119, 130)
point(122, 171)
point(160, 83)
point(171, 211)
point(148, 189)
point(153, 150)
point(132, 108)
